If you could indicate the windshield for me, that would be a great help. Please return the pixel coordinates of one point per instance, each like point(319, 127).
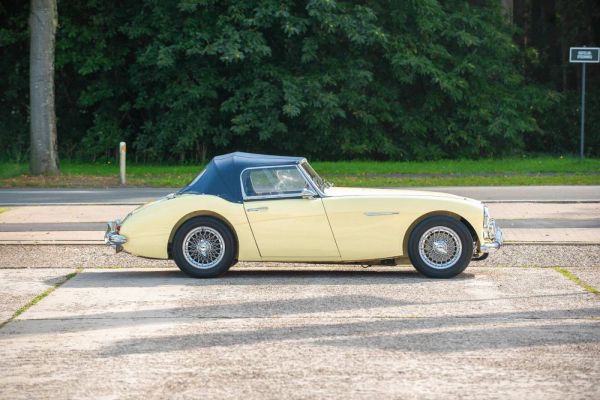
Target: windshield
point(321, 184)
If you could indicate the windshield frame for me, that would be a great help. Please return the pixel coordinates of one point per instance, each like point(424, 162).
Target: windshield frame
point(318, 183)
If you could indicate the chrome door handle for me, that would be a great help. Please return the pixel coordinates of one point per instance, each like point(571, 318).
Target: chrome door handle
point(257, 209)
point(379, 213)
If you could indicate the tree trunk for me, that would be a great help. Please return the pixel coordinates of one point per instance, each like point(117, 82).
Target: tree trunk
point(42, 24)
point(508, 6)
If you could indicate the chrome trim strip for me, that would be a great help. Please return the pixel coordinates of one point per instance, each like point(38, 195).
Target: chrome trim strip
point(380, 213)
point(257, 209)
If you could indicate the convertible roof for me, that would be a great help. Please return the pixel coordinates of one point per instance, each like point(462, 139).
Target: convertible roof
point(221, 177)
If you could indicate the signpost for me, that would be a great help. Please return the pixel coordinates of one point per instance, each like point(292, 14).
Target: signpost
point(583, 56)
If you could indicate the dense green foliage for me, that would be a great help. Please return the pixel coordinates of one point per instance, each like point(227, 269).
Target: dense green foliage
point(380, 79)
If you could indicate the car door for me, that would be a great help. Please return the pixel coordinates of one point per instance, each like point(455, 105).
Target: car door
point(367, 228)
point(286, 225)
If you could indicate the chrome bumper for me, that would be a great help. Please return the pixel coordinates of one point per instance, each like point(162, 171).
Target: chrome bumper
point(496, 240)
point(112, 238)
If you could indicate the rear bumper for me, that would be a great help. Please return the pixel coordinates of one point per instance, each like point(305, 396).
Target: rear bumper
point(496, 241)
point(112, 237)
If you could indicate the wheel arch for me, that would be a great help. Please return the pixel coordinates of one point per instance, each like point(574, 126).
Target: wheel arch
point(202, 213)
point(438, 213)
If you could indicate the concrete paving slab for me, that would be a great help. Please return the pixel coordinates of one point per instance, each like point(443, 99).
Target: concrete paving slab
point(544, 210)
point(52, 237)
point(565, 235)
point(59, 226)
point(504, 333)
point(71, 213)
point(19, 286)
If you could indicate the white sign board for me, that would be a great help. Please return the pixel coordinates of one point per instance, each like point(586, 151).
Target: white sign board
point(584, 55)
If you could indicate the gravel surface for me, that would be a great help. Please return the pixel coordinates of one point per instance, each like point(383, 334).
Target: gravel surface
point(91, 256)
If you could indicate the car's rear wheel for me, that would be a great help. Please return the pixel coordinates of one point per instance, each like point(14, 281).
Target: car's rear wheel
point(204, 247)
point(440, 247)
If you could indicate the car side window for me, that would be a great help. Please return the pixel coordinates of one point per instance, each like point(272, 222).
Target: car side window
point(273, 181)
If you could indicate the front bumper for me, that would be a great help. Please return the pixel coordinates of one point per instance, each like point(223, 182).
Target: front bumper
point(494, 234)
point(112, 237)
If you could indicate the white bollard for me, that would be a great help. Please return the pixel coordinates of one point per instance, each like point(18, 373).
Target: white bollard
point(122, 155)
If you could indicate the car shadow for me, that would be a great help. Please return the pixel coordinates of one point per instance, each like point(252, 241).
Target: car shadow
point(267, 276)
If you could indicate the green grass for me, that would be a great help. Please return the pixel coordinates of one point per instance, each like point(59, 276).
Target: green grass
point(488, 172)
point(511, 180)
point(575, 279)
point(487, 166)
point(39, 297)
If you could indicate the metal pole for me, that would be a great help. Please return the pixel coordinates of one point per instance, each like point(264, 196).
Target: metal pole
point(581, 154)
point(122, 155)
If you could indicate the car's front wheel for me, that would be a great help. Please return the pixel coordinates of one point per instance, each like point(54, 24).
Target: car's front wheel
point(440, 247)
point(204, 247)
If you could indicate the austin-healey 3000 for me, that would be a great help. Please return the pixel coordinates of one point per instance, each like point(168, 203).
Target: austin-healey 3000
point(251, 207)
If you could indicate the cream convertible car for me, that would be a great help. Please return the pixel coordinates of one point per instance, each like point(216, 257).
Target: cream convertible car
point(251, 207)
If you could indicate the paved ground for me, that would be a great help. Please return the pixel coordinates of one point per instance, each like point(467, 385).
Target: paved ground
point(142, 195)
point(512, 326)
point(329, 332)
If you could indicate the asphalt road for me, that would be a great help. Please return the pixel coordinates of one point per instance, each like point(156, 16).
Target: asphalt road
point(549, 194)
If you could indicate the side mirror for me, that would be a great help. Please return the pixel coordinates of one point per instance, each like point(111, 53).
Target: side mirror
point(308, 193)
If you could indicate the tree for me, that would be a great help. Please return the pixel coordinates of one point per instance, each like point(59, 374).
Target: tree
point(43, 20)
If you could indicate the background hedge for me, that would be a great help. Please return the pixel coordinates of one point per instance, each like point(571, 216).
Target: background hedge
point(184, 80)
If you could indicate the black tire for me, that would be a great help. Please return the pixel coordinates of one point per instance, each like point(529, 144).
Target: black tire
point(206, 226)
point(450, 229)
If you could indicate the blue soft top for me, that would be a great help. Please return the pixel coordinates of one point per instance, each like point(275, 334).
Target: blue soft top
point(221, 177)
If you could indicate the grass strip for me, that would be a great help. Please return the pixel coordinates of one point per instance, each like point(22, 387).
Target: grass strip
point(41, 296)
point(578, 281)
point(544, 170)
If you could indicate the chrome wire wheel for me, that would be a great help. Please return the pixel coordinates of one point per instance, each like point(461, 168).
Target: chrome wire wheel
point(440, 247)
point(203, 247)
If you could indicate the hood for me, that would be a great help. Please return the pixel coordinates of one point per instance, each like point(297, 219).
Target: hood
point(342, 191)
